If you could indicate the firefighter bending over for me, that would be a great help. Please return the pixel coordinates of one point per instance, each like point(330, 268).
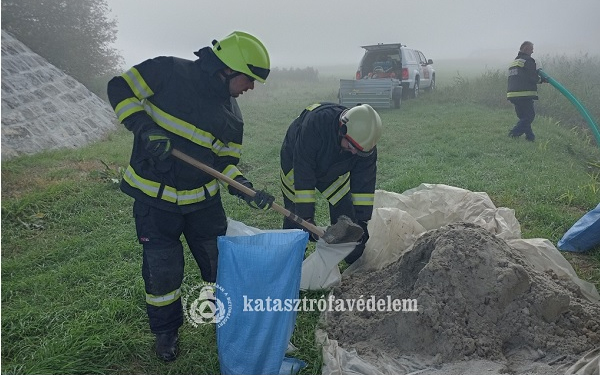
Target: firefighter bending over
point(332, 149)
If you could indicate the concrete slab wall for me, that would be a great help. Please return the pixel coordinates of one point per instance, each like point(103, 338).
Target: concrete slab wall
point(43, 108)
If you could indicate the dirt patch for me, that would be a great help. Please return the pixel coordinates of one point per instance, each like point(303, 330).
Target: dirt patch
point(478, 299)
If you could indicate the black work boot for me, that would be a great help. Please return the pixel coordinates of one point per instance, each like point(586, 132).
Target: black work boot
point(166, 345)
point(530, 137)
point(512, 134)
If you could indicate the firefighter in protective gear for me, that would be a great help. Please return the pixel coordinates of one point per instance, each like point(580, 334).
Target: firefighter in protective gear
point(167, 103)
point(523, 79)
point(332, 149)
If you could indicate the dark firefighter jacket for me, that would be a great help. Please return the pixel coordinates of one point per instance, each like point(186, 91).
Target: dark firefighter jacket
point(191, 103)
point(312, 158)
point(522, 78)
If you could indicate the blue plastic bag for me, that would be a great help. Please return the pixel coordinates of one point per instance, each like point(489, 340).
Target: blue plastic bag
point(584, 234)
point(258, 279)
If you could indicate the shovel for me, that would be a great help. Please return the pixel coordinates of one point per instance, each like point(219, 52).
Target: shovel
point(341, 232)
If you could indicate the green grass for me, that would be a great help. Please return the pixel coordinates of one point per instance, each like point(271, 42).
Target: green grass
point(73, 298)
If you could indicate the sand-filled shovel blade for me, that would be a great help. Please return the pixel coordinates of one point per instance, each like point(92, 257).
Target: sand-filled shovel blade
point(343, 231)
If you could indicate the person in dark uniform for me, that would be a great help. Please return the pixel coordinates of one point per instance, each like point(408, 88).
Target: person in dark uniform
point(169, 102)
point(332, 149)
point(522, 90)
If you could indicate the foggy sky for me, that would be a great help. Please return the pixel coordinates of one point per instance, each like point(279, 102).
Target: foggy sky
point(327, 32)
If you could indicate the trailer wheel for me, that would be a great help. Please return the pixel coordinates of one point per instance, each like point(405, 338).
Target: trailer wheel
point(397, 97)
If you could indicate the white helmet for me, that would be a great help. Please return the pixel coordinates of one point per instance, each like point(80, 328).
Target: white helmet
point(361, 126)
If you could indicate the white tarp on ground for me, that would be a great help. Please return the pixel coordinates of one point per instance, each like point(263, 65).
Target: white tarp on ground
point(589, 364)
point(399, 219)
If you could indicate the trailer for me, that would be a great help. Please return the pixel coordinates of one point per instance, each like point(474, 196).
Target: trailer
point(378, 93)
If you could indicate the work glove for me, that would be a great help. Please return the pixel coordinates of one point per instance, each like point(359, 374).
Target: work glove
point(542, 79)
point(157, 143)
point(261, 200)
point(360, 247)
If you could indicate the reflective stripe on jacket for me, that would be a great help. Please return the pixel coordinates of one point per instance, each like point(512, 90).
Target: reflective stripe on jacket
point(522, 78)
point(202, 120)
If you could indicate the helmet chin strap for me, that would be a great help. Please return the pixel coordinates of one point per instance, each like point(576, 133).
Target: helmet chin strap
point(229, 77)
point(343, 129)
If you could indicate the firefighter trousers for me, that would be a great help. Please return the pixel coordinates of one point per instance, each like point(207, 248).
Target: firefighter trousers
point(160, 232)
point(526, 114)
point(343, 207)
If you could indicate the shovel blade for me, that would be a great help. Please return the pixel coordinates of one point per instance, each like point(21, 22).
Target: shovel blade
point(343, 231)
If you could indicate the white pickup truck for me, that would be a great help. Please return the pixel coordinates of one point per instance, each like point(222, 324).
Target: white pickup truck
point(386, 74)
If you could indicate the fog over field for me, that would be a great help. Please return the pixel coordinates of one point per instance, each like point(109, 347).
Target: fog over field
point(317, 33)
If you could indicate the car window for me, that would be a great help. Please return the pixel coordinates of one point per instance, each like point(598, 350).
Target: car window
point(422, 57)
point(381, 64)
point(408, 54)
point(417, 57)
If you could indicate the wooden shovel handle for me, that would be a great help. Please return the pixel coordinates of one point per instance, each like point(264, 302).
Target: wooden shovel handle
point(246, 190)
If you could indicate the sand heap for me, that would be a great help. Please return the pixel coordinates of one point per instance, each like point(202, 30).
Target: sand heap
point(477, 299)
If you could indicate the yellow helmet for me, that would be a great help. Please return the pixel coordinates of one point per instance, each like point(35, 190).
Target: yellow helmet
point(363, 128)
point(244, 53)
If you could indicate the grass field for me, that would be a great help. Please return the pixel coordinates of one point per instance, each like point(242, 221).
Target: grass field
point(72, 292)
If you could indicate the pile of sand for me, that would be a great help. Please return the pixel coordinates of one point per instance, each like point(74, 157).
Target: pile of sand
point(477, 299)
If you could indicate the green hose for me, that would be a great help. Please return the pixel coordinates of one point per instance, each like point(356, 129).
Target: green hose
point(575, 102)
